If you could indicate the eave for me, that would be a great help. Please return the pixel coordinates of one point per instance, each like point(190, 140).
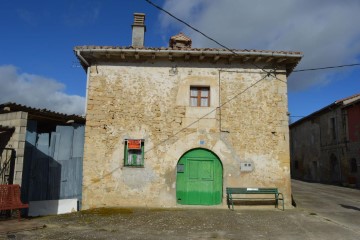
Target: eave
point(90, 55)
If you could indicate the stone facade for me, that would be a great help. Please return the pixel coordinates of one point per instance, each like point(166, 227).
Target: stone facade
point(325, 146)
point(15, 140)
point(246, 122)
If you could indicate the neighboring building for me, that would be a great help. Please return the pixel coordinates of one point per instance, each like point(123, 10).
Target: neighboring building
point(177, 125)
point(325, 146)
point(42, 151)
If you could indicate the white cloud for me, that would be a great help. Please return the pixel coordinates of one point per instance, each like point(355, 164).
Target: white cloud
point(325, 31)
point(37, 91)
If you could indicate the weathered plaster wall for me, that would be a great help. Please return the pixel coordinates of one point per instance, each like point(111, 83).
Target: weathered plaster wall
point(151, 101)
point(316, 155)
point(17, 139)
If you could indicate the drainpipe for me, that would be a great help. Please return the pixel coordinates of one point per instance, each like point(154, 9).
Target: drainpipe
point(87, 76)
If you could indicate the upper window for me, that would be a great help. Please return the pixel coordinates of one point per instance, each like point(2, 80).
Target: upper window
point(333, 128)
point(353, 165)
point(134, 153)
point(200, 96)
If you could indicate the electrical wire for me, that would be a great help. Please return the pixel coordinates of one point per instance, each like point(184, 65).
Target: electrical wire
point(321, 68)
point(206, 36)
point(246, 50)
point(207, 114)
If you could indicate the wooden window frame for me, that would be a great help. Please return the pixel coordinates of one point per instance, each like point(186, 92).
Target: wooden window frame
point(127, 151)
point(199, 97)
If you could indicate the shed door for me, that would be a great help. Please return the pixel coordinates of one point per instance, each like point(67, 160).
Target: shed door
point(199, 178)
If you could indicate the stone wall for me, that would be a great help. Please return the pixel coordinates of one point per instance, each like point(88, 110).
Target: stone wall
point(321, 151)
point(18, 120)
point(151, 101)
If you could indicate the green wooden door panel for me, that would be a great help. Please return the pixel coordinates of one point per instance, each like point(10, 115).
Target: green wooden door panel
point(201, 181)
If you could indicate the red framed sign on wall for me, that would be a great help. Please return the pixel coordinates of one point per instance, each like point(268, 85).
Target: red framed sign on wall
point(134, 143)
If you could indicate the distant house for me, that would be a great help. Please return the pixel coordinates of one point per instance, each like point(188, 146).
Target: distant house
point(42, 151)
point(177, 125)
point(325, 146)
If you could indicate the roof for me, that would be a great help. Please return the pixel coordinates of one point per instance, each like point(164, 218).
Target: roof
point(344, 102)
point(349, 99)
point(89, 55)
point(40, 113)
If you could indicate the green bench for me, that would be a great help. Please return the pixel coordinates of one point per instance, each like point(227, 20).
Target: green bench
point(231, 191)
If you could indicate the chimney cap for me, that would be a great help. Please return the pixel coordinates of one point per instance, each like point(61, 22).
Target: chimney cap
point(139, 19)
point(180, 41)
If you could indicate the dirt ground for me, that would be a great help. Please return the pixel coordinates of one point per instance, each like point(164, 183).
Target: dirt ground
point(126, 223)
point(322, 212)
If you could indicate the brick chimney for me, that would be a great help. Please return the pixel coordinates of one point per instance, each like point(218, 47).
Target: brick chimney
point(138, 30)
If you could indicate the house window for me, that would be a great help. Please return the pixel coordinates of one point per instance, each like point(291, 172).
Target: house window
point(200, 96)
point(333, 128)
point(134, 153)
point(353, 165)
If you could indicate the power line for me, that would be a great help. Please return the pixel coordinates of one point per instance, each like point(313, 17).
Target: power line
point(208, 37)
point(232, 51)
point(202, 117)
point(268, 73)
point(321, 68)
point(195, 29)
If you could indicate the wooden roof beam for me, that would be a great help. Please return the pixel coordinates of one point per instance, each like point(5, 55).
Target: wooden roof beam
point(245, 59)
point(269, 59)
point(230, 59)
point(187, 57)
point(257, 59)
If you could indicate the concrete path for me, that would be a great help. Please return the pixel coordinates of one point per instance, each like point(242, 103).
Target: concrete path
point(323, 212)
point(338, 205)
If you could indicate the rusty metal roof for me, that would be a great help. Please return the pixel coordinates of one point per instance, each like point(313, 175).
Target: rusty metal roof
point(40, 113)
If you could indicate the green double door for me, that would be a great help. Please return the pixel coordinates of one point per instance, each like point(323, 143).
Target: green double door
point(199, 178)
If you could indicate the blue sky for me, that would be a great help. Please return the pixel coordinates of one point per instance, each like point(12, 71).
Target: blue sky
point(38, 67)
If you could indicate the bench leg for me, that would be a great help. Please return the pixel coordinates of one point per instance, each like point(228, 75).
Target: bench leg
point(232, 202)
point(227, 201)
point(282, 199)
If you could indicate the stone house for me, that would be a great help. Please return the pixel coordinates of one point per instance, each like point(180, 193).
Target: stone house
point(177, 125)
point(325, 145)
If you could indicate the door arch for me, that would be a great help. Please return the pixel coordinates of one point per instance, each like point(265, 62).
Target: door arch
point(199, 178)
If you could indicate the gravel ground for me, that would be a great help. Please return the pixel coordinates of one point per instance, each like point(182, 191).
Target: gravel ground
point(126, 223)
